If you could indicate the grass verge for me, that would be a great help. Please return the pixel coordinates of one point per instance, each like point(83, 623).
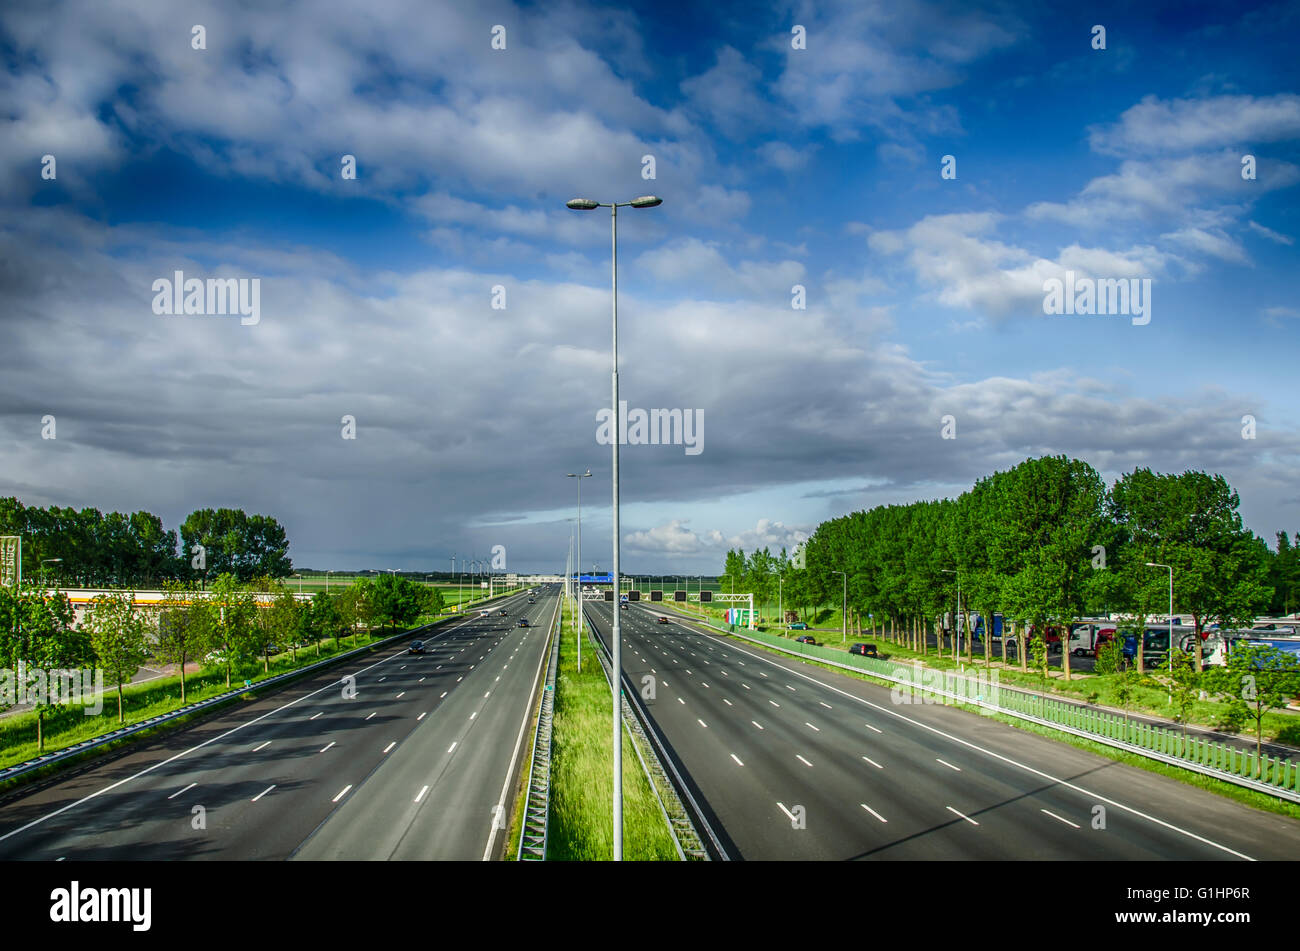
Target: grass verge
point(581, 821)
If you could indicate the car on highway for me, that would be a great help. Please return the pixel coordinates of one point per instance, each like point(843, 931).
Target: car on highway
point(489, 614)
point(417, 647)
point(804, 639)
point(534, 601)
point(661, 620)
point(523, 622)
point(866, 650)
point(625, 607)
point(796, 626)
point(504, 613)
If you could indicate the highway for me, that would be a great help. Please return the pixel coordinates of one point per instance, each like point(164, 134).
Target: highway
point(798, 762)
point(416, 764)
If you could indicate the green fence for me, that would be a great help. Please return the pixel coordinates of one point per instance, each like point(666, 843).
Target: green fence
point(1271, 774)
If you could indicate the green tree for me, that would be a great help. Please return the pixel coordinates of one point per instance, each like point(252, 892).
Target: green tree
point(185, 626)
point(117, 635)
point(235, 635)
point(1259, 677)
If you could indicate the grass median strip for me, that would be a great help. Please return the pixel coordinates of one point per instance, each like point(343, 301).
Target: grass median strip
point(581, 824)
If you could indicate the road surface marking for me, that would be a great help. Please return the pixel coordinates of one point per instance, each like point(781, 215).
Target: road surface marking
point(262, 747)
point(331, 742)
point(706, 686)
point(774, 703)
point(421, 716)
point(757, 724)
point(701, 723)
point(949, 765)
point(1058, 818)
point(967, 818)
point(869, 727)
point(873, 812)
point(679, 700)
point(807, 724)
point(825, 704)
point(444, 693)
point(343, 793)
point(788, 687)
point(473, 715)
point(793, 817)
point(371, 715)
point(727, 702)
point(186, 789)
point(743, 684)
point(737, 759)
point(390, 746)
point(422, 792)
point(323, 712)
point(263, 792)
point(802, 760)
point(873, 762)
point(400, 695)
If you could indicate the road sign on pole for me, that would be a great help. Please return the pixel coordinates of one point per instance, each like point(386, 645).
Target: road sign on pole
point(11, 560)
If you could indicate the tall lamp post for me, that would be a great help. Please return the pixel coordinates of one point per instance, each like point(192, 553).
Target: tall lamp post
point(587, 204)
point(956, 618)
point(844, 605)
point(1152, 564)
point(580, 477)
point(44, 562)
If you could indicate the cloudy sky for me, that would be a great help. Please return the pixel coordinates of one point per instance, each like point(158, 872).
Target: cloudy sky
point(812, 157)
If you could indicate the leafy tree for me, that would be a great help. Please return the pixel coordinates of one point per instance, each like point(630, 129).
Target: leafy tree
point(234, 636)
point(185, 626)
point(1259, 677)
point(1185, 686)
point(117, 635)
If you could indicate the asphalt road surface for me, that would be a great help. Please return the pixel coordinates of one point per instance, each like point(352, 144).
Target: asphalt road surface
point(417, 765)
point(798, 762)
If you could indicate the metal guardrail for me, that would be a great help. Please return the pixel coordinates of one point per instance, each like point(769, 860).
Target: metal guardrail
point(1271, 775)
point(537, 805)
point(681, 812)
point(86, 746)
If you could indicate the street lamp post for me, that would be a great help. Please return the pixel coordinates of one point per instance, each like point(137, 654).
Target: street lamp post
point(45, 561)
point(844, 605)
point(1152, 564)
point(580, 477)
point(956, 620)
point(587, 204)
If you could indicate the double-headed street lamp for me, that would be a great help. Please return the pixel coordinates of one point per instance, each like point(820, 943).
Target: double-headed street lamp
point(579, 477)
point(587, 204)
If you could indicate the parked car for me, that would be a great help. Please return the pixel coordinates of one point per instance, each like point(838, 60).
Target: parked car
point(806, 639)
point(866, 650)
point(417, 647)
point(798, 626)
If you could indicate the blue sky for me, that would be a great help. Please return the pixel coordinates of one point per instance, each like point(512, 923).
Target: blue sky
point(778, 166)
